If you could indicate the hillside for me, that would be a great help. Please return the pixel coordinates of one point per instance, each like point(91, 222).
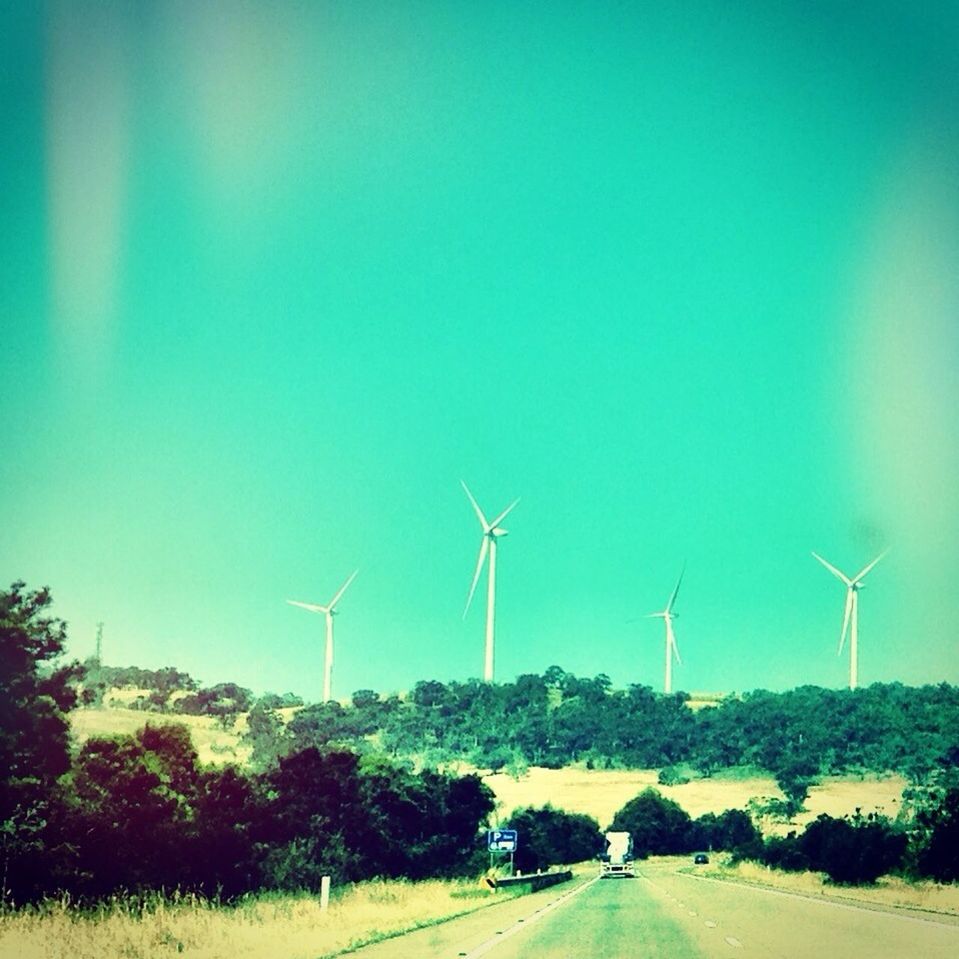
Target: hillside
point(595, 792)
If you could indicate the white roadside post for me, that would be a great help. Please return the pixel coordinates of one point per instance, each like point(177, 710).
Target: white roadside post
point(324, 893)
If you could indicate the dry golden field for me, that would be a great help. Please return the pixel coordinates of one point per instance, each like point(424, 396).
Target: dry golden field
point(599, 793)
point(213, 743)
point(263, 927)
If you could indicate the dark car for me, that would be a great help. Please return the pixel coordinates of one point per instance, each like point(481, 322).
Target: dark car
point(701, 859)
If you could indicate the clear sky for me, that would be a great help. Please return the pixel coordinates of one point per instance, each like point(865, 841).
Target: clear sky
point(683, 276)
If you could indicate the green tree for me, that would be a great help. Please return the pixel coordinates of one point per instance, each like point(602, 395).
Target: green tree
point(938, 855)
point(548, 837)
point(35, 696)
point(133, 810)
point(658, 825)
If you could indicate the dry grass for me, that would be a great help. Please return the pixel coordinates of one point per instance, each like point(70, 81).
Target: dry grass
point(263, 927)
point(214, 743)
point(888, 890)
point(600, 793)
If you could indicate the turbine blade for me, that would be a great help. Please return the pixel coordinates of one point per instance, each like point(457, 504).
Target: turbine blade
point(499, 519)
point(479, 512)
point(484, 548)
point(336, 598)
point(859, 576)
point(672, 641)
point(672, 598)
point(845, 620)
point(832, 569)
point(312, 607)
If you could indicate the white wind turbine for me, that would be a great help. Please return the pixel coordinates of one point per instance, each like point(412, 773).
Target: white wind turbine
point(851, 615)
point(667, 616)
point(491, 532)
point(329, 611)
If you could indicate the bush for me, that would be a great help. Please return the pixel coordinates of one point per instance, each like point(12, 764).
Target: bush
point(549, 837)
point(854, 851)
point(671, 776)
point(939, 856)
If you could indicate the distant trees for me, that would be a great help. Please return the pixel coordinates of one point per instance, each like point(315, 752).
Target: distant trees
point(660, 827)
point(558, 718)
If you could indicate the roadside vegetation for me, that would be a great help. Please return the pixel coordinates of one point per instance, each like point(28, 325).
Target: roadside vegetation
point(262, 926)
point(138, 812)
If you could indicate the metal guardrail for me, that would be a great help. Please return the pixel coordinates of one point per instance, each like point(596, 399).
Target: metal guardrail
point(536, 881)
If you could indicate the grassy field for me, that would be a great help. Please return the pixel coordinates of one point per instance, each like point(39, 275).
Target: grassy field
point(600, 793)
point(214, 743)
point(888, 890)
point(260, 927)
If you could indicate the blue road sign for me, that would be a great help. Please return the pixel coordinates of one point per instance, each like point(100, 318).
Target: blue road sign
point(502, 840)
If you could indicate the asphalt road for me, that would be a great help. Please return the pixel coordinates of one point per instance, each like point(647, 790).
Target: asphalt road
point(663, 913)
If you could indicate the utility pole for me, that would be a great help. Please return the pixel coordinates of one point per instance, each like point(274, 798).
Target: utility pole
point(99, 655)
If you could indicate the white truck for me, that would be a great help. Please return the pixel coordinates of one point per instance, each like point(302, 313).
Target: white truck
point(618, 858)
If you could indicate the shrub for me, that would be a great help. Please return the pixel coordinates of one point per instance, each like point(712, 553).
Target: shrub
point(856, 850)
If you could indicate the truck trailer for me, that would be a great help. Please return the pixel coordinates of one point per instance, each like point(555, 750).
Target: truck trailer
point(618, 858)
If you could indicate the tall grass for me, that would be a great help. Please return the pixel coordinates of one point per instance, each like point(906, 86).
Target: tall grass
point(269, 925)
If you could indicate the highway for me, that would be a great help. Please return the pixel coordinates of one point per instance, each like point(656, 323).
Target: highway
point(664, 913)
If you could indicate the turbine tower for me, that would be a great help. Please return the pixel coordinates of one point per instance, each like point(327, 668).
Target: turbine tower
point(850, 617)
point(491, 532)
point(667, 616)
point(329, 611)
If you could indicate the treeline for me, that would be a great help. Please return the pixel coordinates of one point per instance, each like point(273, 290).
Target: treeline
point(851, 850)
point(225, 701)
point(558, 719)
point(549, 836)
point(138, 812)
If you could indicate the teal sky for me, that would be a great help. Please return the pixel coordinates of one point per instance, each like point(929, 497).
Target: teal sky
point(683, 276)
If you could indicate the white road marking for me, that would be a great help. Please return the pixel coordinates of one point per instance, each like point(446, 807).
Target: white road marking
point(824, 902)
point(734, 942)
point(710, 923)
point(484, 947)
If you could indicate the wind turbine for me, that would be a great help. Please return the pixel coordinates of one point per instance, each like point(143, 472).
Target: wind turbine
point(851, 614)
point(491, 532)
point(329, 611)
point(667, 615)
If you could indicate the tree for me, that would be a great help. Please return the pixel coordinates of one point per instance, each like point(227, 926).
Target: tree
point(35, 696)
point(939, 853)
point(732, 831)
point(658, 825)
point(133, 810)
point(856, 850)
point(548, 837)
point(267, 737)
